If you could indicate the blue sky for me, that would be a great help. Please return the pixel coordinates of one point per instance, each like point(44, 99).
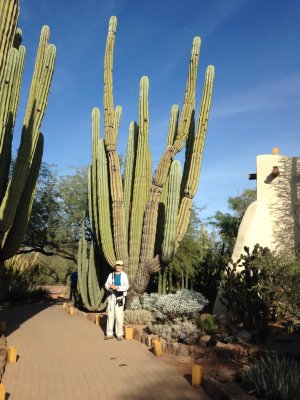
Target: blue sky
point(253, 44)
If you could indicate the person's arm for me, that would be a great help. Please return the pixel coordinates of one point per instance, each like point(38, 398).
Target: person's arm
point(108, 282)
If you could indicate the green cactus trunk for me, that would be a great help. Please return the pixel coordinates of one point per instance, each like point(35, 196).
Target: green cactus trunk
point(147, 219)
point(16, 193)
point(89, 289)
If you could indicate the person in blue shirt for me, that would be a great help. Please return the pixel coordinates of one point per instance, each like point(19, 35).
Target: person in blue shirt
point(73, 281)
point(117, 285)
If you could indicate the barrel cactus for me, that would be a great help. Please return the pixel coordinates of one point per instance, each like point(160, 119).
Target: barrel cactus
point(141, 218)
point(17, 187)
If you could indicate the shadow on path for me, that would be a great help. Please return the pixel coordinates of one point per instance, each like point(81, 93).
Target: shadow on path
point(16, 315)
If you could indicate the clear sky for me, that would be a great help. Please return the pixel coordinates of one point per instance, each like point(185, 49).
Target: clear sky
point(253, 44)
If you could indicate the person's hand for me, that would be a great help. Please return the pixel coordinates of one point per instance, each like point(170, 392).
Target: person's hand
point(113, 287)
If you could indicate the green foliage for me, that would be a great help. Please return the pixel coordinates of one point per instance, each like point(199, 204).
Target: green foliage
point(21, 284)
point(45, 217)
point(274, 378)
point(227, 224)
point(240, 290)
point(55, 224)
point(207, 324)
point(259, 283)
point(210, 269)
point(139, 317)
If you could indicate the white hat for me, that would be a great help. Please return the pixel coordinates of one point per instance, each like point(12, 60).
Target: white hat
point(119, 262)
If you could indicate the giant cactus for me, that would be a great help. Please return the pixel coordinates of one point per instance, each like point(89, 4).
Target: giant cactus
point(124, 215)
point(16, 192)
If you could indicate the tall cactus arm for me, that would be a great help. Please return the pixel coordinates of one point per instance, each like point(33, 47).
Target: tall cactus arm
point(168, 245)
point(8, 110)
point(173, 125)
point(111, 125)
point(82, 270)
point(9, 15)
point(129, 170)
point(142, 180)
point(93, 173)
point(37, 73)
point(103, 206)
point(28, 143)
point(14, 236)
point(109, 112)
point(185, 117)
point(194, 169)
point(172, 133)
point(96, 293)
point(150, 216)
point(118, 210)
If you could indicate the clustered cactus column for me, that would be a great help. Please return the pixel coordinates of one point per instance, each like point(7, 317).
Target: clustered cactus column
point(17, 190)
point(143, 219)
point(92, 295)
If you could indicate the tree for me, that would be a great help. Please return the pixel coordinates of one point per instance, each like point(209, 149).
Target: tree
point(45, 216)
point(59, 205)
point(227, 224)
point(181, 271)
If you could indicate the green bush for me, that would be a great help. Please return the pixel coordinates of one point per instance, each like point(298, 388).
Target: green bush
point(260, 282)
point(274, 378)
point(20, 285)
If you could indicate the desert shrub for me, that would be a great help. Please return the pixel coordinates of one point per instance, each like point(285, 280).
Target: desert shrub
point(22, 284)
point(260, 282)
point(185, 304)
point(144, 302)
point(207, 324)
point(137, 316)
point(274, 378)
point(182, 331)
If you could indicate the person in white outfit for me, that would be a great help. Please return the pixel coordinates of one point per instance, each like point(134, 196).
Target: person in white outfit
point(117, 285)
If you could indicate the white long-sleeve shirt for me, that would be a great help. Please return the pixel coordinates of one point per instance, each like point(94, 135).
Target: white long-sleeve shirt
point(124, 282)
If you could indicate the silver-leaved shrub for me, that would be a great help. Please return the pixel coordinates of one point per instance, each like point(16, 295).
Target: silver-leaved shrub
point(184, 304)
point(181, 331)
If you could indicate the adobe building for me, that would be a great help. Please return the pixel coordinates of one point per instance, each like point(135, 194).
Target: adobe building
point(273, 220)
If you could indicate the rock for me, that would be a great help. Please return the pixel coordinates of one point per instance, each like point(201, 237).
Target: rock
point(182, 350)
point(244, 336)
point(203, 340)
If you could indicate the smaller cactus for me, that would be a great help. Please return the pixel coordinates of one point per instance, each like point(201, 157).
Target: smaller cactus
point(206, 323)
point(138, 317)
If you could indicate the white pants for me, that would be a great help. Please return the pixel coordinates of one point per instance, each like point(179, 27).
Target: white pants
point(115, 316)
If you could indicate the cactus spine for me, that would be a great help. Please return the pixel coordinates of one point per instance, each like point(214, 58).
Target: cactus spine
point(16, 193)
point(144, 241)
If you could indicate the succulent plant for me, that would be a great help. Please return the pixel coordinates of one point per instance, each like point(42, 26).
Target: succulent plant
point(274, 378)
point(143, 220)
